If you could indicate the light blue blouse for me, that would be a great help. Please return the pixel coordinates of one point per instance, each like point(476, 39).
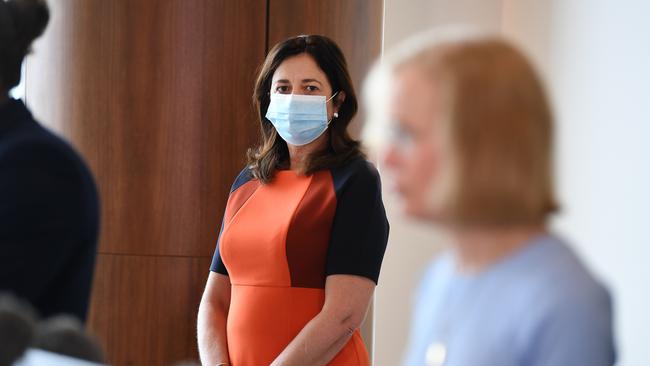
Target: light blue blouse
point(539, 306)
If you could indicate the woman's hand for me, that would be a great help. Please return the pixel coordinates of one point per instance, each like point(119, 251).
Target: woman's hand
point(346, 302)
point(211, 324)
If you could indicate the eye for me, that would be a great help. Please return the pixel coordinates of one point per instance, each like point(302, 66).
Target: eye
point(282, 89)
point(401, 134)
point(312, 88)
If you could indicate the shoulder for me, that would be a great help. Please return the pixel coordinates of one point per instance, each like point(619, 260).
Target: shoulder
point(358, 172)
point(32, 155)
point(560, 284)
point(567, 311)
point(244, 176)
point(42, 178)
point(567, 276)
point(36, 147)
point(38, 157)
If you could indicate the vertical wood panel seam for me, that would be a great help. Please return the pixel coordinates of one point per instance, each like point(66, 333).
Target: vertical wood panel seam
point(268, 21)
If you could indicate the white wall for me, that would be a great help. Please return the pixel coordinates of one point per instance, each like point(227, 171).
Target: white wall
point(413, 245)
point(18, 92)
point(595, 56)
point(597, 61)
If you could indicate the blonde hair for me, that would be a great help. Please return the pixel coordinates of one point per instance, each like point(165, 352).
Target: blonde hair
point(498, 128)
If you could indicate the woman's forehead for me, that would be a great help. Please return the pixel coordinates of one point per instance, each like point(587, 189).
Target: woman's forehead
point(299, 68)
point(412, 92)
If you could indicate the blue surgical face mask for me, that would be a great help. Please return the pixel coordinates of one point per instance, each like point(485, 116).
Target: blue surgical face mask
point(299, 119)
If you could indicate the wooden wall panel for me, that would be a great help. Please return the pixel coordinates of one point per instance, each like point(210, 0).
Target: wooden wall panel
point(355, 25)
point(144, 307)
point(157, 96)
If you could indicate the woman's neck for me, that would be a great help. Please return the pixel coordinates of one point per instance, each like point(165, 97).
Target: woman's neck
point(478, 249)
point(300, 155)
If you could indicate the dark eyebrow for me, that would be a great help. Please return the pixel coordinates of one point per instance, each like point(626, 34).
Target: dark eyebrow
point(304, 81)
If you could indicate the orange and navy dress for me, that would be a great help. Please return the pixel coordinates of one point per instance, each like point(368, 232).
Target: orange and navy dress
point(279, 242)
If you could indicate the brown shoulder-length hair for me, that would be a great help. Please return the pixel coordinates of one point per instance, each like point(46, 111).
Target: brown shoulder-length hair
point(272, 153)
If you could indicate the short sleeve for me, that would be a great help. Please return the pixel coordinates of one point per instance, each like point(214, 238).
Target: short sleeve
point(217, 264)
point(360, 228)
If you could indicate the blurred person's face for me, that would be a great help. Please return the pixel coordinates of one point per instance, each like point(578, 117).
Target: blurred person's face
point(415, 155)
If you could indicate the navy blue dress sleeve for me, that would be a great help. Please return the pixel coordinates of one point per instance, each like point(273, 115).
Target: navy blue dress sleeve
point(217, 264)
point(360, 227)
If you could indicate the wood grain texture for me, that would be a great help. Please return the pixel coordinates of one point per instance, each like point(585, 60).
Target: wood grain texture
point(144, 308)
point(355, 25)
point(157, 96)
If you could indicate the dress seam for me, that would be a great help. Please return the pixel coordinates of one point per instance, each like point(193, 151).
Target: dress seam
point(234, 216)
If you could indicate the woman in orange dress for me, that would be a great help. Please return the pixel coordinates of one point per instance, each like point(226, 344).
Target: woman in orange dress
point(305, 230)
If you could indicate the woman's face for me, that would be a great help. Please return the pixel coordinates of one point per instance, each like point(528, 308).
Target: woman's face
point(300, 74)
point(415, 156)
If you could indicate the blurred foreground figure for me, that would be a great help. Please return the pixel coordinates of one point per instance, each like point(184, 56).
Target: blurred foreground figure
point(49, 210)
point(65, 335)
point(471, 152)
point(17, 322)
point(26, 341)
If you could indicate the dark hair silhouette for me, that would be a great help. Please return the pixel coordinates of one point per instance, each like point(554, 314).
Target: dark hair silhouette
point(21, 22)
point(65, 335)
point(17, 321)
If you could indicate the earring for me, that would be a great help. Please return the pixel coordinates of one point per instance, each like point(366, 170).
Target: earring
point(336, 114)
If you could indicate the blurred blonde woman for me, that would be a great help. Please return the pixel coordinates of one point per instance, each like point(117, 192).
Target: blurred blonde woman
point(471, 152)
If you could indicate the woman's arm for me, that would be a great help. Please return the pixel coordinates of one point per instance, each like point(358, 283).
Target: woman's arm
point(346, 302)
point(211, 327)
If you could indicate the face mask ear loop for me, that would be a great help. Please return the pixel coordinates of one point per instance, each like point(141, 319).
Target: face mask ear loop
point(332, 97)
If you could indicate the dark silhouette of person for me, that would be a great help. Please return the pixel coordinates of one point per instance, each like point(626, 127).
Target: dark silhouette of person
point(49, 206)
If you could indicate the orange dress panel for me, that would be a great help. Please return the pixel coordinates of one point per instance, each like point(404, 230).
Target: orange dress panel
point(274, 243)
